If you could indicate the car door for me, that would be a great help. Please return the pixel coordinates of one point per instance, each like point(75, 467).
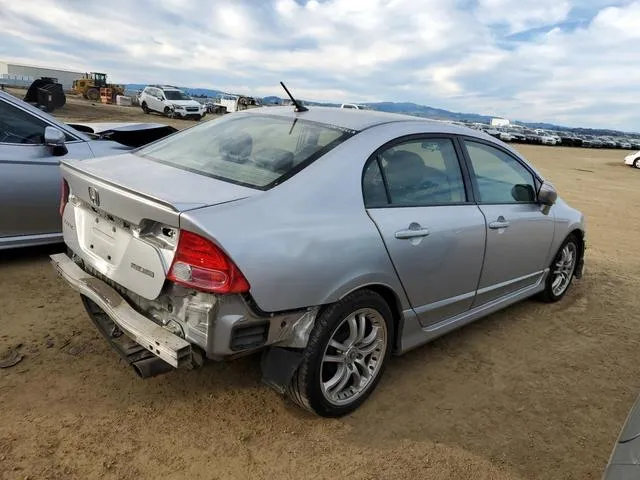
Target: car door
point(161, 100)
point(153, 101)
point(519, 230)
point(416, 194)
point(29, 174)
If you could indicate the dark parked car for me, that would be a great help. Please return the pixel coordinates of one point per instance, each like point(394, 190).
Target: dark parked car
point(517, 135)
point(591, 141)
point(569, 139)
point(532, 137)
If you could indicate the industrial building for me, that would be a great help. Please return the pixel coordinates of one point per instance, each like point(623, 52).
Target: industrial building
point(22, 75)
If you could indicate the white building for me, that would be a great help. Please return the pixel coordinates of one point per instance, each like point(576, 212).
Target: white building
point(18, 74)
point(499, 122)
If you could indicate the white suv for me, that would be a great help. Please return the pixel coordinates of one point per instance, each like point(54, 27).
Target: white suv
point(170, 101)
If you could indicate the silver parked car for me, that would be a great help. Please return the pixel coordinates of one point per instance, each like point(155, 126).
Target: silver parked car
point(32, 143)
point(329, 238)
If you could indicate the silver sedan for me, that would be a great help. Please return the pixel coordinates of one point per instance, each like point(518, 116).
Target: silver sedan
point(329, 239)
point(32, 143)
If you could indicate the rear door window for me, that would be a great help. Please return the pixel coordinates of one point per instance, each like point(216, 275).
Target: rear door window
point(421, 172)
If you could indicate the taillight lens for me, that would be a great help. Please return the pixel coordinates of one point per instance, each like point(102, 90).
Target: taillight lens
point(200, 264)
point(64, 195)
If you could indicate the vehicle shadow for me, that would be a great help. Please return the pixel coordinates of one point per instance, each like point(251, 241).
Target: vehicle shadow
point(29, 254)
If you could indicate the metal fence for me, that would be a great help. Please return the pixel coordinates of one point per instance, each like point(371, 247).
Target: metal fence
point(15, 80)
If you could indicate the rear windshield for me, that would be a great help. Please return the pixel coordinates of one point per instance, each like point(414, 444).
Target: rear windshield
point(253, 150)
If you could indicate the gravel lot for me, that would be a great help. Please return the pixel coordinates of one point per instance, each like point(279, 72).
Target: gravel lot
point(534, 392)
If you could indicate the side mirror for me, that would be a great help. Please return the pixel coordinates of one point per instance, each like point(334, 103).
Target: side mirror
point(547, 194)
point(54, 139)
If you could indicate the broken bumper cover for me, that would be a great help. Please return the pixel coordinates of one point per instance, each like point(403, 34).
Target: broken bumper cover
point(148, 334)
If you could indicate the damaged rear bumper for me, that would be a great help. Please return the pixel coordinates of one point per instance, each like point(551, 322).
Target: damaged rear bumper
point(162, 343)
point(180, 326)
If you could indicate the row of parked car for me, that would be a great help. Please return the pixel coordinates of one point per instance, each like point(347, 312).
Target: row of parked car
point(564, 138)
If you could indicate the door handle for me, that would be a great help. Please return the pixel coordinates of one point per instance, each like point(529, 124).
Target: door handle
point(499, 223)
point(411, 233)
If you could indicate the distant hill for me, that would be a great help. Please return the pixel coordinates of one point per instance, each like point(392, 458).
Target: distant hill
point(407, 108)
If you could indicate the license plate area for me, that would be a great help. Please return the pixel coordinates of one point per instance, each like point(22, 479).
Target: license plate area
point(116, 250)
point(105, 238)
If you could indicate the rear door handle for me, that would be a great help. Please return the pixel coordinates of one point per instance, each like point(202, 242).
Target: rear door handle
point(411, 233)
point(499, 223)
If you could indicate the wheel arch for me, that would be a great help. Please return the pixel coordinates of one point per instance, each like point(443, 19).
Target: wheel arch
point(391, 297)
point(580, 235)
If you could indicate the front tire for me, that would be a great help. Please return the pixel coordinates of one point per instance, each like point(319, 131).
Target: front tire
point(562, 270)
point(346, 355)
point(145, 108)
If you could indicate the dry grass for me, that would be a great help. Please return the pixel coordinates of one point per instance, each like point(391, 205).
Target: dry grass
point(534, 392)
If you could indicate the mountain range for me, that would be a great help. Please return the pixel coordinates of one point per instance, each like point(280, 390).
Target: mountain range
point(407, 108)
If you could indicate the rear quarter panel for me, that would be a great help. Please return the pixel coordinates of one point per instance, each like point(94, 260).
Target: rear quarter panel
point(308, 241)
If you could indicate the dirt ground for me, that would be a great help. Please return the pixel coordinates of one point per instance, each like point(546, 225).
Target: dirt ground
point(534, 392)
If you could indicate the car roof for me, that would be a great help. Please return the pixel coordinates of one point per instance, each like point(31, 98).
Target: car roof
point(353, 119)
point(358, 120)
point(162, 87)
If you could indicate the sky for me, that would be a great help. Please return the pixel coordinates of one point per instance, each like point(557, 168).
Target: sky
point(568, 62)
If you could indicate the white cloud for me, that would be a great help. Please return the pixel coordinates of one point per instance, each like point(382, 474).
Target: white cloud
point(520, 15)
point(454, 55)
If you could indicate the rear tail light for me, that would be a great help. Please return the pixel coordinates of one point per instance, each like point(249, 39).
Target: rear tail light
point(200, 264)
point(64, 195)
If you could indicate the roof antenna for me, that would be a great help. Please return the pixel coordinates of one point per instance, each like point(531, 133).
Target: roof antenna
point(298, 105)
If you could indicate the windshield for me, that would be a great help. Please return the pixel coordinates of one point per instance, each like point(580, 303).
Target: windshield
point(176, 95)
point(257, 151)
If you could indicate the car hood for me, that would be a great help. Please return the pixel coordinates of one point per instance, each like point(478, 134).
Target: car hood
point(130, 134)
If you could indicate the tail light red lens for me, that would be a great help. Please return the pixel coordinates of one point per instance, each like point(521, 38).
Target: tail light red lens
point(200, 264)
point(64, 195)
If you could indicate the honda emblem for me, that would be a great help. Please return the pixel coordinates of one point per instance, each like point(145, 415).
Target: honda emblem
point(94, 196)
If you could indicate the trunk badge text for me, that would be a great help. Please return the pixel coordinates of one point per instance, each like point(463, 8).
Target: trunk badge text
point(94, 196)
point(140, 269)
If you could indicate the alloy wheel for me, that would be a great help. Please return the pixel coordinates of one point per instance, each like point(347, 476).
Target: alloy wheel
point(564, 267)
point(353, 356)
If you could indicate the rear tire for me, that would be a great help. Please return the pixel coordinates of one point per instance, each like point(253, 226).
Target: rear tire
point(562, 270)
point(346, 355)
point(93, 94)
